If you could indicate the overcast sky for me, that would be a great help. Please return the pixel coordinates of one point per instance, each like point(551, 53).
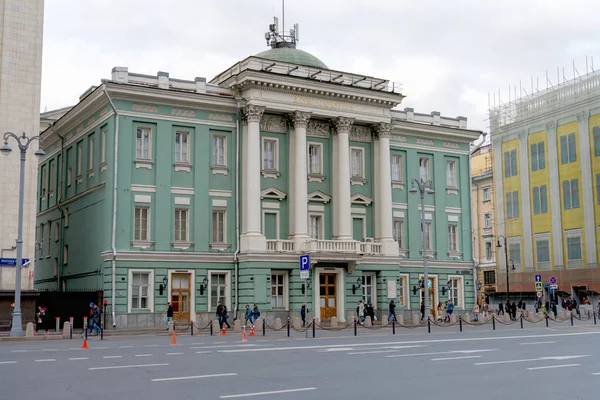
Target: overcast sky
point(447, 54)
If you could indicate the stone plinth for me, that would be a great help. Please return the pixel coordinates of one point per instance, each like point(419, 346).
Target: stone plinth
point(334, 322)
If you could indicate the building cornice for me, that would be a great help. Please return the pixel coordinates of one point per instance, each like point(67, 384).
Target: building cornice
point(166, 256)
point(435, 132)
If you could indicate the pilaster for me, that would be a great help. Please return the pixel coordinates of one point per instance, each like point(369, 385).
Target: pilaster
point(342, 203)
point(499, 185)
point(555, 206)
point(299, 120)
point(525, 202)
point(587, 188)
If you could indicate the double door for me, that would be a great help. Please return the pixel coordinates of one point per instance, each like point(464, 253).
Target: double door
point(180, 296)
point(327, 295)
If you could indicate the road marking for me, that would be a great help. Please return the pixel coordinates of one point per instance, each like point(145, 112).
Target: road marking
point(392, 349)
point(180, 378)
point(8, 362)
point(150, 345)
point(174, 354)
point(46, 360)
point(225, 346)
point(144, 355)
point(454, 358)
point(554, 366)
point(112, 357)
point(220, 342)
point(99, 348)
point(203, 352)
point(196, 344)
point(530, 360)
point(233, 396)
point(19, 351)
point(536, 343)
point(441, 352)
point(595, 373)
point(49, 349)
point(129, 366)
point(78, 358)
point(338, 349)
point(125, 347)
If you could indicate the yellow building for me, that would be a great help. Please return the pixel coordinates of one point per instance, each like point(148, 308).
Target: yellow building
point(547, 180)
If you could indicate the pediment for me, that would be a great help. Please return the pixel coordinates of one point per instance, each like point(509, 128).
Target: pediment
point(272, 193)
point(361, 199)
point(318, 196)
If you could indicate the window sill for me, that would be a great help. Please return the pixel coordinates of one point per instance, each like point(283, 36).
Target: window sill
point(403, 252)
point(144, 164)
point(219, 246)
point(219, 169)
point(486, 201)
point(451, 190)
point(90, 173)
point(270, 173)
point(315, 177)
point(356, 180)
point(79, 179)
point(397, 185)
point(183, 167)
point(182, 245)
point(142, 244)
point(103, 167)
point(455, 254)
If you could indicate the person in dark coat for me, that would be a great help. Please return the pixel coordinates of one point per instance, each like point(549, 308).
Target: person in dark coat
point(303, 314)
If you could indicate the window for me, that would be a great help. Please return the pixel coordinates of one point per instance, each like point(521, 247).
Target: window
point(538, 158)
point(49, 238)
point(55, 266)
point(489, 277)
point(403, 286)
point(278, 290)
point(369, 292)
point(487, 220)
point(103, 150)
point(486, 194)
point(65, 254)
point(512, 204)
point(453, 238)
point(66, 217)
point(43, 182)
point(542, 250)
point(598, 188)
point(568, 151)
point(69, 176)
point(140, 290)
point(142, 144)
point(455, 293)
point(181, 225)
point(489, 254)
point(514, 252)
point(79, 159)
point(39, 243)
point(218, 151)
point(396, 168)
point(218, 289)
point(424, 168)
point(427, 228)
point(218, 226)
point(570, 194)
point(269, 154)
point(510, 163)
point(91, 153)
point(142, 224)
point(315, 227)
point(356, 162)
point(596, 131)
point(52, 178)
point(540, 200)
point(574, 247)
point(56, 231)
point(451, 174)
point(315, 159)
point(182, 147)
point(399, 233)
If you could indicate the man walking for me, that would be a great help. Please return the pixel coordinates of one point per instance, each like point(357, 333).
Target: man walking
point(169, 314)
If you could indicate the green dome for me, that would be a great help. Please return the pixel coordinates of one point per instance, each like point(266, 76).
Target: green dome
point(292, 56)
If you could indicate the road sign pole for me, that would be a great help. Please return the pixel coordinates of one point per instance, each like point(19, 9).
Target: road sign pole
point(305, 306)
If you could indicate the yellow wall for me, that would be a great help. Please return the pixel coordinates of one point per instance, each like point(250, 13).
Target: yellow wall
point(573, 218)
point(595, 121)
point(513, 226)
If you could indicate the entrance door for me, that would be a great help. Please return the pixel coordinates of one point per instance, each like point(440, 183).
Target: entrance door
point(180, 296)
point(432, 300)
point(328, 300)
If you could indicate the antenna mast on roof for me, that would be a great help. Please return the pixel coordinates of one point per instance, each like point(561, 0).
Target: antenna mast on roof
point(275, 39)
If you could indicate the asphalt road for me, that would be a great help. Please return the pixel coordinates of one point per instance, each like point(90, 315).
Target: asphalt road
point(548, 363)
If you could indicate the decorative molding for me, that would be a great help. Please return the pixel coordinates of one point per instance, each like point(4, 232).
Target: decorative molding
point(317, 129)
point(185, 167)
point(145, 108)
point(318, 196)
point(361, 199)
point(425, 142)
point(184, 190)
point(143, 188)
point(273, 123)
point(219, 193)
point(272, 193)
point(220, 117)
point(583, 116)
point(398, 139)
point(360, 134)
point(299, 118)
point(522, 135)
point(451, 145)
point(551, 126)
point(176, 112)
point(253, 113)
point(342, 124)
point(383, 130)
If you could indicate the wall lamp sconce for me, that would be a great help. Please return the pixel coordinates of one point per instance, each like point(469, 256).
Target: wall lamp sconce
point(421, 285)
point(163, 286)
point(357, 285)
point(203, 286)
point(306, 286)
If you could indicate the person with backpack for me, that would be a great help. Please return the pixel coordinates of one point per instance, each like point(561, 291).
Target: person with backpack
point(248, 315)
point(222, 315)
point(169, 313)
point(392, 312)
point(450, 310)
point(255, 313)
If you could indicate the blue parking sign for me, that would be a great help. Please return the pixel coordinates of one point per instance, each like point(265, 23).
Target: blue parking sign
point(304, 262)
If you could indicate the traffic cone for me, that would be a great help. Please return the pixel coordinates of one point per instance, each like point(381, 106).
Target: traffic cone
point(85, 346)
point(223, 332)
point(173, 337)
point(251, 330)
point(244, 338)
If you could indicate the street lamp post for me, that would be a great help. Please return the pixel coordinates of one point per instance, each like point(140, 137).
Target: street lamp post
point(506, 259)
point(23, 144)
point(423, 187)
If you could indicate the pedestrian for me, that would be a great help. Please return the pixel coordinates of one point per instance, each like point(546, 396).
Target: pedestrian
point(222, 315)
point(422, 311)
point(476, 312)
point(90, 320)
point(440, 312)
point(255, 313)
point(12, 312)
point(360, 311)
point(41, 319)
point(500, 308)
point(248, 315)
point(96, 319)
point(486, 309)
point(303, 314)
point(450, 310)
point(392, 312)
point(169, 314)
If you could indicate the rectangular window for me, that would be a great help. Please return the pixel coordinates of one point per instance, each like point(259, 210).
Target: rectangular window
point(512, 204)
point(455, 293)
point(452, 238)
point(79, 159)
point(91, 153)
point(218, 289)
point(142, 144)
point(140, 285)
point(574, 247)
point(568, 151)
point(66, 254)
point(69, 176)
point(399, 233)
point(56, 231)
point(538, 158)
point(514, 252)
point(489, 277)
point(540, 200)
point(315, 159)
point(142, 224)
point(277, 290)
point(396, 168)
point(427, 228)
point(368, 288)
point(315, 227)
point(44, 182)
point(356, 162)
point(570, 194)
point(49, 238)
point(103, 153)
point(269, 154)
point(67, 215)
point(598, 188)
point(182, 147)
point(596, 131)
point(181, 225)
point(424, 169)
point(542, 250)
point(451, 174)
point(488, 251)
point(510, 163)
point(403, 286)
point(218, 226)
point(52, 187)
point(218, 151)
point(486, 194)
point(487, 220)
point(40, 242)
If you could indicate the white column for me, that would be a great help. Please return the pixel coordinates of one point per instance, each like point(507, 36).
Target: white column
point(525, 200)
point(252, 238)
point(499, 208)
point(341, 204)
point(587, 183)
point(383, 196)
point(299, 121)
point(555, 205)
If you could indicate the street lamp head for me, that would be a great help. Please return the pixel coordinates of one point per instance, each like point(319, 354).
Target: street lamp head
point(413, 189)
point(5, 149)
point(40, 153)
point(499, 244)
point(430, 190)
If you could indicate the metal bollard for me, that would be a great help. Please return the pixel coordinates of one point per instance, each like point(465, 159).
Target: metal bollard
point(85, 325)
point(393, 326)
point(57, 324)
point(428, 325)
point(460, 322)
point(264, 327)
point(354, 326)
point(594, 318)
point(192, 328)
point(571, 319)
point(101, 330)
point(546, 320)
point(493, 322)
point(314, 328)
point(288, 326)
point(211, 327)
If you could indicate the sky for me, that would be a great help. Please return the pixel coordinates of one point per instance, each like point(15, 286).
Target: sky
point(448, 55)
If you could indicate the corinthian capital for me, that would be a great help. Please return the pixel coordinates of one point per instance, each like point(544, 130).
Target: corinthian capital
point(383, 129)
point(253, 113)
point(343, 124)
point(299, 119)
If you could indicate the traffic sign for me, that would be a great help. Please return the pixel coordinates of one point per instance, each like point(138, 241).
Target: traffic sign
point(539, 295)
point(304, 266)
point(539, 287)
point(12, 262)
point(304, 274)
point(553, 280)
point(538, 278)
point(553, 287)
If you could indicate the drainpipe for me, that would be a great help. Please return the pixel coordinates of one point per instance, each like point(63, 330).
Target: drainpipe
point(114, 217)
point(237, 207)
point(477, 235)
point(61, 242)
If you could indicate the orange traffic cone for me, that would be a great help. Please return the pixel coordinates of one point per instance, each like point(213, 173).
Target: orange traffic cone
point(223, 332)
point(173, 337)
point(244, 338)
point(85, 346)
point(251, 330)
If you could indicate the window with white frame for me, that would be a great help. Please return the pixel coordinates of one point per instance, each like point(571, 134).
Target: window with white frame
point(44, 181)
point(486, 194)
point(396, 168)
point(40, 241)
point(69, 176)
point(182, 149)
point(356, 162)
point(65, 254)
point(218, 289)
point(455, 293)
point(489, 254)
point(487, 220)
point(512, 204)
point(570, 194)
point(424, 168)
point(142, 224)
point(91, 153)
point(140, 290)
point(427, 228)
point(278, 289)
point(67, 215)
point(56, 231)
point(142, 143)
point(510, 163)
point(218, 226)
point(451, 174)
point(269, 146)
point(218, 151)
point(399, 232)
point(316, 226)
point(514, 252)
point(52, 178)
point(403, 291)
point(369, 292)
point(452, 238)
point(542, 250)
point(540, 199)
point(574, 247)
point(538, 159)
point(79, 158)
point(103, 150)
point(315, 159)
point(568, 149)
point(181, 224)
point(49, 238)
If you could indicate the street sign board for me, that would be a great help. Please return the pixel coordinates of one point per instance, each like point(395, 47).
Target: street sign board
point(538, 278)
point(304, 274)
point(553, 280)
point(12, 262)
point(539, 287)
point(553, 287)
point(539, 295)
point(304, 262)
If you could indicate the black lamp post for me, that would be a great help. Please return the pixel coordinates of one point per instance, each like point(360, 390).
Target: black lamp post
point(506, 259)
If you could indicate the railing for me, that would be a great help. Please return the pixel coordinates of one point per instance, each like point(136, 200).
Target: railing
point(330, 246)
point(280, 245)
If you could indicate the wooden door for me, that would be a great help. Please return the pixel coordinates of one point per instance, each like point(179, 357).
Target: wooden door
point(180, 296)
point(432, 299)
point(328, 299)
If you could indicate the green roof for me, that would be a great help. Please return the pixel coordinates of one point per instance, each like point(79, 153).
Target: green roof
point(292, 56)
